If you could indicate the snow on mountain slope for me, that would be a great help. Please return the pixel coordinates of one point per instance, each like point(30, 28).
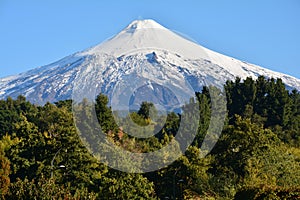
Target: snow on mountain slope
point(144, 52)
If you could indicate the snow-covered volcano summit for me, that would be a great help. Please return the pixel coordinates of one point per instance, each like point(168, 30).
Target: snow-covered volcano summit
point(144, 54)
point(148, 34)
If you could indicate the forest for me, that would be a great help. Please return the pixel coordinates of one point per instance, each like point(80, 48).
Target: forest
point(257, 156)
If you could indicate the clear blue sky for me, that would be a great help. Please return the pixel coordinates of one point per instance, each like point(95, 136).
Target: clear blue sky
point(263, 32)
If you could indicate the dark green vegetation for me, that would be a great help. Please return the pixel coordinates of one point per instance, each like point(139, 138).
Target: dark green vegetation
point(257, 156)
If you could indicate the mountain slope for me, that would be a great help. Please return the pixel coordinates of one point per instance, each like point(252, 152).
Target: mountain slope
point(143, 55)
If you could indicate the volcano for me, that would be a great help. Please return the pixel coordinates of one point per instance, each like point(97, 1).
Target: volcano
point(145, 61)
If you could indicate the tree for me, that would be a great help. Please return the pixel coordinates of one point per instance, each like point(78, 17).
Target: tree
point(147, 110)
point(120, 185)
point(104, 114)
point(205, 116)
point(4, 171)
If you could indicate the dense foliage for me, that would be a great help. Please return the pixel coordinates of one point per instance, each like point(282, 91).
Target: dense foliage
point(257, 156)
